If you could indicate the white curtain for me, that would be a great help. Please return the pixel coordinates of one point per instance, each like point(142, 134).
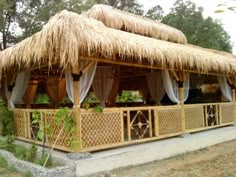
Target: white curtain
point(171, 87)
point(225, 88)
point(21, 84)
point(102, 83)
point(85, 81)
point(155, 86)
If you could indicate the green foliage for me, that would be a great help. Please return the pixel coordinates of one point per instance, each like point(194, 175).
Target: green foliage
point(35, 13)
point(3, 163)
point(98, 109)
point(43, 128)
point(23, 153)
point(63, 117)
point(204, 32)
point(7, 18)
point(31, 153)
point(91, 102)
point(42, 99)
point(131, 6)
point(42, 160)
point(7, 170)
point(6, 121)
point(28, 174)
point(128, 96)
point(31, 15)
point(155, 13)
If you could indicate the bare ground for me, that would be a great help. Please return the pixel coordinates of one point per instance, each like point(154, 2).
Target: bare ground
point(214, 161)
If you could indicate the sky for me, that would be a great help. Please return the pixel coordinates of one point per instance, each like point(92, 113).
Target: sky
point(227, 18)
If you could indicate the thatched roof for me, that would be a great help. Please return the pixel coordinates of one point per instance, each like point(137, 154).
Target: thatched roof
point(68, 36)
point(117, 19)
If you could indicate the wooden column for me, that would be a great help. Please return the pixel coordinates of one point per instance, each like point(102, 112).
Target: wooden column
point(234, 103)
point(233, 95)
point(76, 89)
point(181, 98)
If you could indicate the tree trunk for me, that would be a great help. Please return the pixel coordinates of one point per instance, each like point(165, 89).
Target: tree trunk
point(4, 40)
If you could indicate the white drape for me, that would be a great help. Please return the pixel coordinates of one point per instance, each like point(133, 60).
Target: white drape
point(22, 80)
point(85, 81)
point(102, 83)
point(171, 87)
point(155, 86)
point(225, 88)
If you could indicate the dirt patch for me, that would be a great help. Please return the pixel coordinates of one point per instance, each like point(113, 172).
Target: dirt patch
point(214, 161)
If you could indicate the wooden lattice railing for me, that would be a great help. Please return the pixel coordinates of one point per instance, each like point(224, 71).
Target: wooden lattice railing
point(121, 126)
point(27, 131)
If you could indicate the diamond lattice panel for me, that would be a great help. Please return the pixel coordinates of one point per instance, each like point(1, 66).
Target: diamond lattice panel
point(227, 113)
point(194, 117)
point(62, 140)
point(169, 121)
point(100, 128)
point(20, 123)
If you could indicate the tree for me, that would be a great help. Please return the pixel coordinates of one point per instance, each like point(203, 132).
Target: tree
point(35, 13)
point(155, 13)
point(209, 33)
point(130, 6)
point(7, 17)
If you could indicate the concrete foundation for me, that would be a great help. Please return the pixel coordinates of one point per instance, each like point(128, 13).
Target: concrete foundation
point(149, 152)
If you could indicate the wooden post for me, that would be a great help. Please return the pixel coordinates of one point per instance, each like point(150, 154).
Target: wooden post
point(76, 89)
point(150, 121)
point(233, 95)
point(156, 120)
point(128, 125)
point(181, 98)
point(234, 105)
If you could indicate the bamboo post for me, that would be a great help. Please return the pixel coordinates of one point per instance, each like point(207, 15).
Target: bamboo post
point(122, 126)
point(156, 120)
point(150, 121)
point(76, 89)
point(234, 105)
point(206, 116)
point(128, 125)
point(181, 98)
point(233, 95)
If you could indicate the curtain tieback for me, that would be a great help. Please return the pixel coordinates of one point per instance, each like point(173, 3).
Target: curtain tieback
point(76, 106)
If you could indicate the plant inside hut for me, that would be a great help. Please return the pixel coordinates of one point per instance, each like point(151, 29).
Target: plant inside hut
point(128, 97)
point(92, 101)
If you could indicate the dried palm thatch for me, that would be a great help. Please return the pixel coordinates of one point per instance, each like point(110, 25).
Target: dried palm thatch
point(117, 19)
point(68, 37)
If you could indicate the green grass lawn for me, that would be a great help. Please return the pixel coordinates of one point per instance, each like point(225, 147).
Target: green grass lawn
point(8, 171)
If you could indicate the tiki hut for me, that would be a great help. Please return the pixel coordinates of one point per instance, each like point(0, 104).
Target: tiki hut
point(76, 54)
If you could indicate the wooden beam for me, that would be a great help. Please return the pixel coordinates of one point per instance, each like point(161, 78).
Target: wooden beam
point(229, 80)
point(86, 67)
point(125, 63)
point(175, 75)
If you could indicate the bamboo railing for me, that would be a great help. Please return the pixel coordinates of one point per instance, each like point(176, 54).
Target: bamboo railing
point(129, 125)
